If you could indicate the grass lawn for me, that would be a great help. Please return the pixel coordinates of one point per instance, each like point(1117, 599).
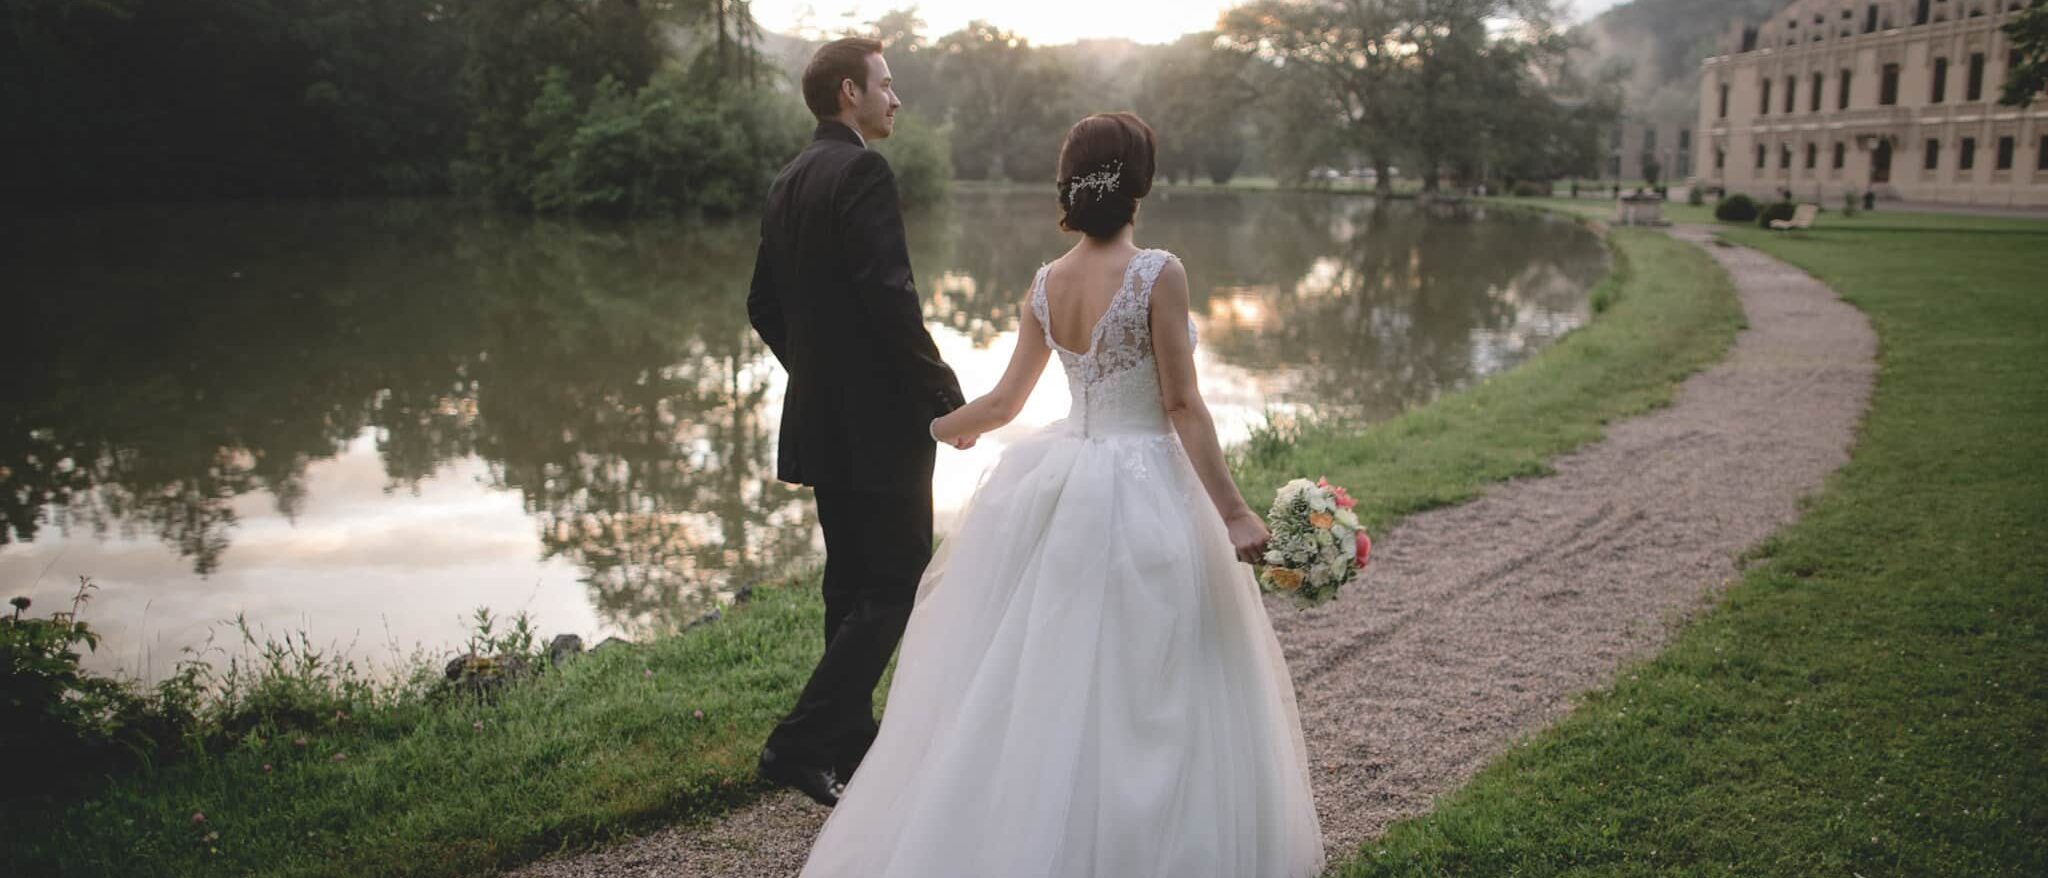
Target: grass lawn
point(1872, 699)
point(612, 743)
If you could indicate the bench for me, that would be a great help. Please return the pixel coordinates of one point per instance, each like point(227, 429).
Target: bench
point(1802, 218)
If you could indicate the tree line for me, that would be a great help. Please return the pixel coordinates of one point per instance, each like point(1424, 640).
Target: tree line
point(1470, 90)
point(635, 107)
point(620, 106)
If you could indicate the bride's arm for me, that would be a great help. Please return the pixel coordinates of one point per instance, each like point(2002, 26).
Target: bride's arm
point(1183, 399)
point(960, 427)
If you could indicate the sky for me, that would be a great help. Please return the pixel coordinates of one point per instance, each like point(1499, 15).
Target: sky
point(1043, 22)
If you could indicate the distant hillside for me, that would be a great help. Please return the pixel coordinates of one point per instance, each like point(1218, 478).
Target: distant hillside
point(1663, 42)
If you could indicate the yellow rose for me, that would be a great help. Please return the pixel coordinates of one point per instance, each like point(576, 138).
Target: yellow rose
point(1284, 579)
point(1322, 520)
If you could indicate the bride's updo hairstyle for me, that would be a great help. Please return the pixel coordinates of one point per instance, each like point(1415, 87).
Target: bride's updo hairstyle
point(1105, 167)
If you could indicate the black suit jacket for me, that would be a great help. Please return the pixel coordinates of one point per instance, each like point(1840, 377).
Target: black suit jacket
point(834, 299)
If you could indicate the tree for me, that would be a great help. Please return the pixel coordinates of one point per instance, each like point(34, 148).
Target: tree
point(1457, 86)
point(2029, 76)
point(1193, 94)
point(1335, 63)
point(1007, 101)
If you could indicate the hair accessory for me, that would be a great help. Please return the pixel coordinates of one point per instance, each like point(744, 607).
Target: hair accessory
point(1105, 180)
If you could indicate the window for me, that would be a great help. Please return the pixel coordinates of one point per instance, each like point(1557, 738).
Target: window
point(1614, 167)
point(1791, 86)
point(1940, 81)
point(1842, 102)
point(1933, 159)
point(1920, 14)
point(1888, 88)
point(1649, 139)
point(1784, 156)
point(1614, 139)
point(1966, 157)
point(2005, 148)
point(1813, 95)
point(1812, 156)
point(1724, 100)
point(1761, 161)
point(1685, 138)
point(1721, 156)
point(1975, 92)
point(1870, 19)
point(1764, 106)
point(1841, 155)
point(2041, 155)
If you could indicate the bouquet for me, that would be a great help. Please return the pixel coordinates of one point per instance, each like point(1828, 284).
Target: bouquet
point(1318, 545)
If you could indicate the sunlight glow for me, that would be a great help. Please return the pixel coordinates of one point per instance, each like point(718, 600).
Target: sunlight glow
point(1046, 22)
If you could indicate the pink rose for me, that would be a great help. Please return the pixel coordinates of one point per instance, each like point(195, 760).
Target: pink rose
point(1364, 548)
point(1344, 500)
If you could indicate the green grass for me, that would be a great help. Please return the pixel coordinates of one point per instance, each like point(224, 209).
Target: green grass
point(1872, 698)
point(608, 743)
point(1669, 312)
point(604, 748)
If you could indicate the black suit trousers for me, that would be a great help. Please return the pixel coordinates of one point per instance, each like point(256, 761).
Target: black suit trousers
point(876, 547)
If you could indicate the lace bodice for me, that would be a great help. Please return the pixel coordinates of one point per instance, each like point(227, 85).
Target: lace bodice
point(1115, 381)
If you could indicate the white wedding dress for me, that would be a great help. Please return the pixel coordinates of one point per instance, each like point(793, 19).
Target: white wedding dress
point(1089, 686)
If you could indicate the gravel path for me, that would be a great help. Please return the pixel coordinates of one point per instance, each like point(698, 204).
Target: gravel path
point(1482, 620)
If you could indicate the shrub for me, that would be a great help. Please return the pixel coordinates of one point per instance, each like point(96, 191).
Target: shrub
point(59, 722)
point(1696, 196)
point(1782, 210)
point(1531, 189)
point(668, 148)
point(1735, 209)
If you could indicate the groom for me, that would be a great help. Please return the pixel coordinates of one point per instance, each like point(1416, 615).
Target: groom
point(834, 299)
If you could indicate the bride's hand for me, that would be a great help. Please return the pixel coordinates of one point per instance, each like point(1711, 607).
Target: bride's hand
point(941, 432)
point(1248, 535)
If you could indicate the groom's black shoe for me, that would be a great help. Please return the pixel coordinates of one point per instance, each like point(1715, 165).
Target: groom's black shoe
point(817, 783)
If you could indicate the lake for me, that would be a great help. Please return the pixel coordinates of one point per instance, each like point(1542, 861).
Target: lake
point(364, 420)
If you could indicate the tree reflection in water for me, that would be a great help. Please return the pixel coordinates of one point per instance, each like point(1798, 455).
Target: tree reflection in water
point(176, 360)
point(167, 361)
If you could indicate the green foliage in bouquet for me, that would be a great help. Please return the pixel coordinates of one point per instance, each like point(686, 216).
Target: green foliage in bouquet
point(1318, 544)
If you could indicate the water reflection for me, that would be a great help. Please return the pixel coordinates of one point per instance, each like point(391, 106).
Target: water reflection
point(312, 412)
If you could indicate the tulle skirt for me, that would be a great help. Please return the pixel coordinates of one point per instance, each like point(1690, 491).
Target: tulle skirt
point(1088, 688)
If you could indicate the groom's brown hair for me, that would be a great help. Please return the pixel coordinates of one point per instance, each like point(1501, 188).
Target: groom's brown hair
point(834, 63)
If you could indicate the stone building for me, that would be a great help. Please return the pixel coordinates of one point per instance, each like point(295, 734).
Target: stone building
point(1633, 142)
point(1898, 97)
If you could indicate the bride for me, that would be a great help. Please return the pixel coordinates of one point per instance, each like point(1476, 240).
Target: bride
point(1089, 686)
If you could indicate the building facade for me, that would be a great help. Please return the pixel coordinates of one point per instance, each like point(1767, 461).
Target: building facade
point(1895, 97)
point(1635, 143)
